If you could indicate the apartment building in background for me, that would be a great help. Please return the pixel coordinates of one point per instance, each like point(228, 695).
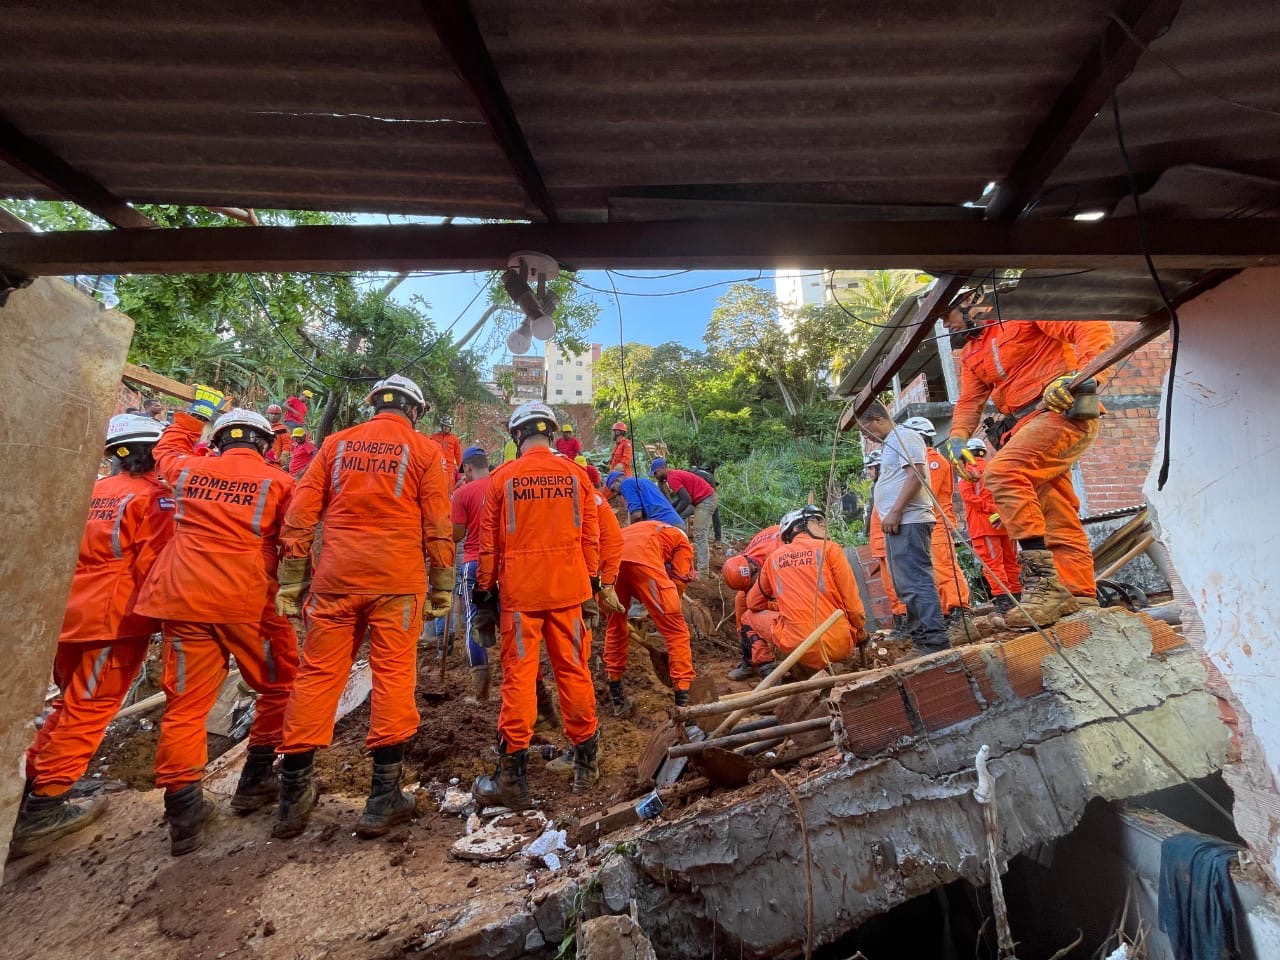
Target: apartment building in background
point(569, 375)
point(527, 375)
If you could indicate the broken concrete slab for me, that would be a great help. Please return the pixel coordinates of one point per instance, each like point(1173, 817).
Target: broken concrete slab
point(500, 838)
point(613, 938)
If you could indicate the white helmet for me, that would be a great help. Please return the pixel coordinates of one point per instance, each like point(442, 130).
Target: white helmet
point(393, 384)
point(126, 429)
point(976, 444)
point(873, 459)
point(795, 518)
point(921, 425)
point(241, 425)
point(536, 414)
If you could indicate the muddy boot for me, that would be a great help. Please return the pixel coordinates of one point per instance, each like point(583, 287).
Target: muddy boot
point(258, 784)
point(561, 764)
point(743, 671)
point(480, 681)
point(899, 632)
point(960, 628)
point(187, 811)
point(509, 785)
point(682, 698)
point(1002, 602)
point(586, 764)
point(298, 795)
point(1044, 598)
point(620, 705)
point(387, 804)
point(547, 709)
point(1084, 601)
point(42, 820)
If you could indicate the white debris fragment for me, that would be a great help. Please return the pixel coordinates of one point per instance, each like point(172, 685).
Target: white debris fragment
point(1120, 953)
point(547, 848)
point(473, 823)
point(455, 801)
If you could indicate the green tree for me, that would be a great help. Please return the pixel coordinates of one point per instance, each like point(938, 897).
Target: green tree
point(745, 330)
point(875, 300)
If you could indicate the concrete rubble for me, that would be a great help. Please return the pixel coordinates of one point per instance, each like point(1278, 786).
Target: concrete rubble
point(893, 816)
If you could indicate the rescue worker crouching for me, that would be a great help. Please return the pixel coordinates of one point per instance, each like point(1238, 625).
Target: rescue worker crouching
point(740, 573)
point(103, 641)
point(214, 587)
point(808, 577)
point(539, 555)
point(381, 490)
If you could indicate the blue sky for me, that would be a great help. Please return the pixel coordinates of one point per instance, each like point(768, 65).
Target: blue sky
point(656, 306)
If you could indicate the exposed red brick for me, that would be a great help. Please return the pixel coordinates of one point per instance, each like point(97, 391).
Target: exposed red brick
point(974, 661)
point(941, 695)
point(1072, 633)
point(1022, 658)
point(874, 716)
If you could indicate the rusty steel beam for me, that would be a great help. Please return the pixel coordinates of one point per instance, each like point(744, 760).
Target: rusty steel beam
point(951, 246)
point(42, 164)
point(455, 25)
point(1105, 65)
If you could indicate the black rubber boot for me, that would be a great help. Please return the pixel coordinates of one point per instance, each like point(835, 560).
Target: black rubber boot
point(480, 683)
point(745, 670)
point(42, 820)
point(682, 698)
point(620, 705)
point(298, 794)
point(187, 811)
point(258, 784)
point(586, 764)
point(509, 785)
point(1002, 602)
point(387, 804)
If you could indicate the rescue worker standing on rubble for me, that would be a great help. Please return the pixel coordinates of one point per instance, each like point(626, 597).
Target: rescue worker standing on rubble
point(739, 574)
point(1026, 367)
point(657, 566)
point(451, 447)
point(381, 490)
point(907, 517)
point(880, 553)
point(467, 508)
point(808, 577)
point(622, 450)
point(986, 533)
point(695, 500)
point(953, 587)
point(103, 641)
point(539, 554)
point(214, 588)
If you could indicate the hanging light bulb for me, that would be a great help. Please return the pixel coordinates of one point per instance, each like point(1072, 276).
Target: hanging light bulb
point(543, 327)
point(520, 339)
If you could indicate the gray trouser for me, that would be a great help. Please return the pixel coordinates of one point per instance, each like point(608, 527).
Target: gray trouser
point(700, 531)
point(911, 566)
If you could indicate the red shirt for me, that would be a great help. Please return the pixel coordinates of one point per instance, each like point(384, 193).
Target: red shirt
point(698, 488)
point(303, 454)
point(569, 446)
point(468, 502)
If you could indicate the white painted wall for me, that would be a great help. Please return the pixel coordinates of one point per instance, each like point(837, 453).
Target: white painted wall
point(1219, 517)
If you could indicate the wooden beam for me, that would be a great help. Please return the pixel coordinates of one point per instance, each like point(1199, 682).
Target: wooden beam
point(157, 382)
point(1106, 64)
point(455, 25)
point(38, 162)
point(919, 327)
point(957, 246)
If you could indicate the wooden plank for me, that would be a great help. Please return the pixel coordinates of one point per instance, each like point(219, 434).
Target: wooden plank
point(157, 382)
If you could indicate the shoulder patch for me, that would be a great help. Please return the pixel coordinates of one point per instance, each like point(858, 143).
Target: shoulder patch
point(933, 464)
point(165, 503)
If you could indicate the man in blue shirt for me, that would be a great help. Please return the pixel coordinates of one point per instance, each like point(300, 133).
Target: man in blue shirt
point(643, 498)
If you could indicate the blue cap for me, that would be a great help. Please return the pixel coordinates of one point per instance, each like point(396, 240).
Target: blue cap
point(470, 452)
point(613, 475)
point(658, 464)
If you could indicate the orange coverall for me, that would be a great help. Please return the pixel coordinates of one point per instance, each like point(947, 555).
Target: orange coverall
point(656, 556)
point(610, 540)
point(809, 579)
point(451, 447)
point(881, 553)
point(214, 586)
point(953, 588)
point(281, 447)
point(540, 541)
point(758, 549)
point(103, 641)
point(990, 542)
point(621, 459)
point(382, 492)
point(1030, 476)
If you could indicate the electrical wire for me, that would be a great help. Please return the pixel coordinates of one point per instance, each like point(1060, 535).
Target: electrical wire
point(626, 393)
point(1174, 328)
point(669, 293)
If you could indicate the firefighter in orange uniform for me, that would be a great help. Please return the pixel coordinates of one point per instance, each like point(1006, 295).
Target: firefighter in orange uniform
point(953, 586)
point(381, 490)
point(987, 535)
point(809, 578)
point(657, 566)
point(282, 438)
point(739, 573)
point(451, 447)
point(880, 553)
point(539, 558)
point(103, 641)
point(1025, 367)
point(622, 451)
point(214, 586)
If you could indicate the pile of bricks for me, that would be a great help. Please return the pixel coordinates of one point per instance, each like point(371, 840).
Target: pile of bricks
point(893, 707)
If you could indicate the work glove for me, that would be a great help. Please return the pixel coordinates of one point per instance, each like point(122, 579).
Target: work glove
point(591, 613)
point(442, 580)
point(995, 519)
point(484, 622)
point(609, 601)
point(959, 456)
point(1057, 395)
point(208, 403)
point(292, 574)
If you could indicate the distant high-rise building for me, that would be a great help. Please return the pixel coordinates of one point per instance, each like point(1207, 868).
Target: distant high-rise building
point(569, 375)
point(528, 376)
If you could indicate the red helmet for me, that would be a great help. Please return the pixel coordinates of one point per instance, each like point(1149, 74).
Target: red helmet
point(739, 572)
point(620, 426)
point(274, 408)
